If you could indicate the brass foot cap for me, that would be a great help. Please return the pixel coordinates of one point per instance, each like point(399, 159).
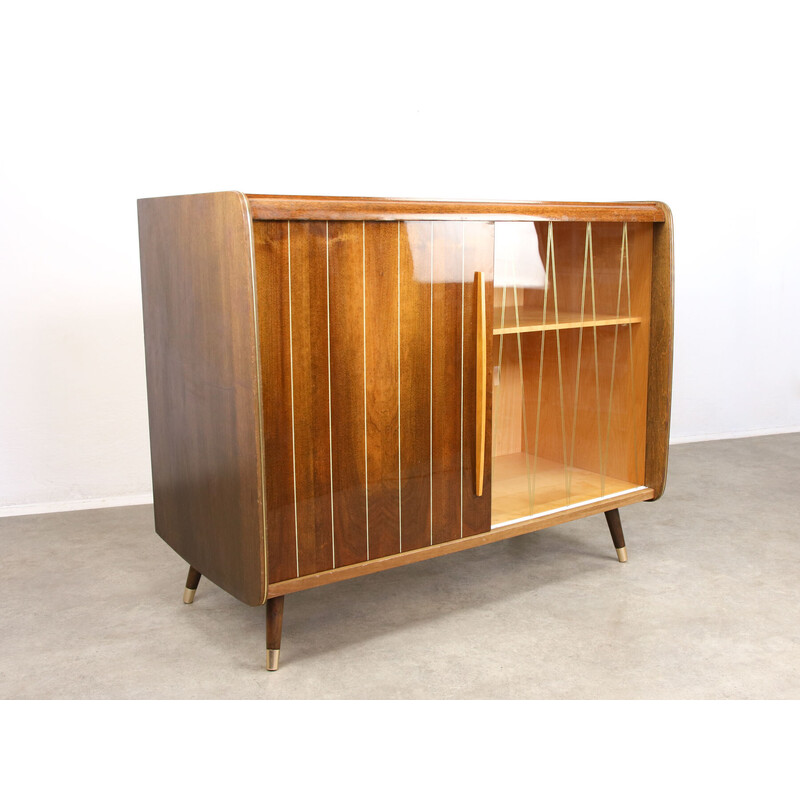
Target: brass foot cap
point(622, 554)
point(188, 595)
point(272, 659)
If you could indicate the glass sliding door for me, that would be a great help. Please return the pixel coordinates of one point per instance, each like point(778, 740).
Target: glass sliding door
point(571, 328)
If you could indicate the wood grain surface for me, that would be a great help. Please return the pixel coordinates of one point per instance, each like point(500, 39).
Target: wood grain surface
point(272, 281)
point(478, 257)
point(373, 208)
point(415, 383)
point(659, 391)
point(274, 622)
point(364, 397)
point(310, 379)
point(447, 312)
point(348, 391)
point(332, 341)
point(203, 398)
point(381, 336)
point(494, 535)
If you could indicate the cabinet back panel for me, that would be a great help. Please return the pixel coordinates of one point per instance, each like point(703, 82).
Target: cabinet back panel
point(569, 249)
point(371, 437)
point(606, 433)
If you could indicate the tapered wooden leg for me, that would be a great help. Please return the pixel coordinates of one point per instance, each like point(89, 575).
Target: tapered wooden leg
point(192, 580)
point(615, 526)
point(274, 626)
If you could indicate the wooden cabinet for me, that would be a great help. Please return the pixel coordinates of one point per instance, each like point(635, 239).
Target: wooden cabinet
point(339, 386)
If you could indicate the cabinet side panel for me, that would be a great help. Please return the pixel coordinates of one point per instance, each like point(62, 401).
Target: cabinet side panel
point(659, 393)
point(202, 386)
point(272, 278)
point(347, 391)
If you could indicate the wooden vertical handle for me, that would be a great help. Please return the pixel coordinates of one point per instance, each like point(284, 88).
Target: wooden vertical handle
point(480, 381)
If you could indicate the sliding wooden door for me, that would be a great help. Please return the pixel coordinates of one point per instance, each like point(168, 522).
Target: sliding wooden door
point(368, 335)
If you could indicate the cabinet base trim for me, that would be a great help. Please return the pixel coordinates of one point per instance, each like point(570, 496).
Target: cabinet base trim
point(567, 508)
point(504, 531)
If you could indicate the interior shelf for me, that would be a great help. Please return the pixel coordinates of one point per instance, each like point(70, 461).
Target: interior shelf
point(512, 487)
point(530, 319)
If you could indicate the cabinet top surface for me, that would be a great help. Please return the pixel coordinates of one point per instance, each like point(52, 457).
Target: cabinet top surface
point(288, 207)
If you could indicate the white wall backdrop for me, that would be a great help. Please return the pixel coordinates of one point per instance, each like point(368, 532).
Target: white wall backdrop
point(103, 103)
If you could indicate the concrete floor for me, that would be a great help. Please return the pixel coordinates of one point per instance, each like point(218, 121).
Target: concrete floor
point(708, 606)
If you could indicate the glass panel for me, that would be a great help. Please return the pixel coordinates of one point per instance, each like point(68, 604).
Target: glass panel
point(571, 317)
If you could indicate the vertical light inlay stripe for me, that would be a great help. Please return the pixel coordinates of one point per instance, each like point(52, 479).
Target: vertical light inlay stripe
point(560, 375)
point(616, 337)
point(580, 351)
point(330, 413)
point(364, 350)
point(399, 418)
point(541, 354)
point(461, 495)
point(291, 385)
point(630, 342)
point(522, 389)
point(430, 431)
point(498, 381)
point(597, 375)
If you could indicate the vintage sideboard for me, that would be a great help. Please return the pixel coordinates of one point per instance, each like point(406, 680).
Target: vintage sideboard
point(338, 386)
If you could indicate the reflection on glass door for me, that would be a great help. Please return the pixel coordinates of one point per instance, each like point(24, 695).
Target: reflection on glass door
point(571, 326)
